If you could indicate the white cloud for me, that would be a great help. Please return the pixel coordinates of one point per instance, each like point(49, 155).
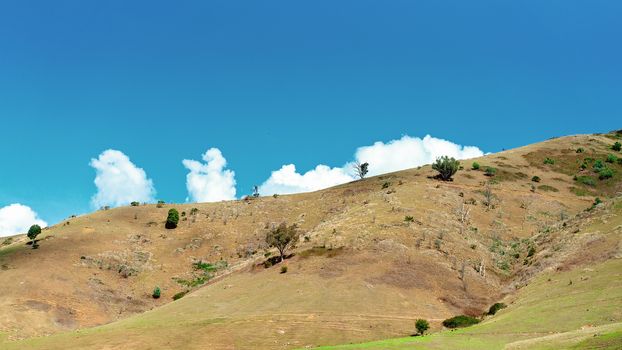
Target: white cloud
point(17, 218)
point(287, 180)
point(407, 152)
point(119, 181)
point(210, 181)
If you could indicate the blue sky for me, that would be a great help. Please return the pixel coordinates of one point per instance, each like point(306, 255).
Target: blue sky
point(271, 83)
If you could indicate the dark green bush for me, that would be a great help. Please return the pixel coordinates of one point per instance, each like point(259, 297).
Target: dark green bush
point(490, 171)
point(496, 307)
point(409, 218)
point(611, 158)
point(460, 321)
point(156, 293)
point(617, 146)
point(134, 204)
point(180, 295)
point(172, 219)
point(580, 150)
point(386, 185)
point(531, 251)
point(475, 166)
point(446, 167)
point(598, 166)
point(535, 178)
point(284, 269)
point(422, 326)
point(605, 173)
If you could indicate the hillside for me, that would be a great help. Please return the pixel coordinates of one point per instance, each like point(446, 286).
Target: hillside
point(375, 255)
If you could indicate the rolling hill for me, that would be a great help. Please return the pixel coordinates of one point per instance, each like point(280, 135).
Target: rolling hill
point(374, 256)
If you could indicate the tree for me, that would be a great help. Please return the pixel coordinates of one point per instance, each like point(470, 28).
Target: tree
point(361, 169)
point(172, 219)
point(255, 191)
point(33, 232)
point(446, 167)
point(422, 326)
point(282, 237)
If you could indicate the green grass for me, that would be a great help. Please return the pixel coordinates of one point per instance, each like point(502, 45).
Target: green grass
point(607, 341)
point(543, 308)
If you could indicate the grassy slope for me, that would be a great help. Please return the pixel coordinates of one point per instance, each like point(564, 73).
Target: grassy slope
point(579, 309)
point(388, 272)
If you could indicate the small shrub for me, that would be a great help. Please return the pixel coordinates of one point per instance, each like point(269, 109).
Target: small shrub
point(605, 173)
point(490, 171)
point(611, 158)
point(172, 219)
point(275, 195)
point(460, 321)
point(531, 251)
point(617, 146)
point(7, 241)
point(180, 295)
point(549, 161)
point(535, 178)
point(475, 166)
point(135, 204)
point(598, 166)
point(386, 185)
point(422, 326)
point(284, 269)
point(156, 293)
point(580, 150)
point(194, 211)
point(160, 204)
point(446, 167)
point(496, 307)
point(409, 218)
point(586, 180)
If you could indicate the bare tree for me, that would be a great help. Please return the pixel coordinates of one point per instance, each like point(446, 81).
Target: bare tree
point(463, 216)
point(361, 169)
point(488, 196)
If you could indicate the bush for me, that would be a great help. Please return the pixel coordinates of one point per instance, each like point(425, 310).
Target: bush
point(475, 166)
point(535, 179)
point(160, 204)
point(422, 326)
point(598, 166)
point(134, 204)
point(156, 293)
point(580, 150)
point(180, 295)
point(605, 173)
point(586, 180)
point(446, 167)
point(386, 185)
point(496, 307)
point(172, 219)
point(460, 321)
point(549, 161)
point(490, 171)
point(611, 158)
point(531, 251)
point(617, 146)
point(409, 218)
point(284, 269)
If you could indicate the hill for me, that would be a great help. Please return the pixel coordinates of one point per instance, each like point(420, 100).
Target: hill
point(375, 255)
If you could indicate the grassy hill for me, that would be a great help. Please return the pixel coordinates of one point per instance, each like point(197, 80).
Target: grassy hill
point(374, 256)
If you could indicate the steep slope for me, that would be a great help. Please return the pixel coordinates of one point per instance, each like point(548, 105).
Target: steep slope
point(375, 255)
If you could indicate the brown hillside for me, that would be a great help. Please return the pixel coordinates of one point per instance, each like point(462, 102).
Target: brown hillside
point(374, 255)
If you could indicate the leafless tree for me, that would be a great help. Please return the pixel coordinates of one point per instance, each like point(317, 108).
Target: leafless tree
point(361, 169)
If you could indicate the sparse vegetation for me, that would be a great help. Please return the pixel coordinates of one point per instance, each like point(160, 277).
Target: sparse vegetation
point(422, 326)
point(549, 161)
point(548, 188)
point(172, 219)
point(586, 180)
point(282, 237)
point(446, 167)
point(386, 185)
point(409, 219)
point(460, 321)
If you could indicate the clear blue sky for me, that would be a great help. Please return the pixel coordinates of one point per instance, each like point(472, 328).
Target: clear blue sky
point(275, 82)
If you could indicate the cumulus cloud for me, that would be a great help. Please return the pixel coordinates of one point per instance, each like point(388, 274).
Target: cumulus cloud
point(17, 218)
point(210, 181)
point(288, 180)
point(409, 152)
point(119, 181)
point(404, 153)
